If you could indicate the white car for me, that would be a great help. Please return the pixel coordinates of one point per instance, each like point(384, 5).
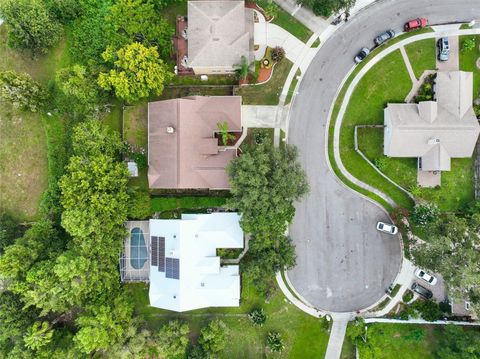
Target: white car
point(387, 228)
point(430, 279)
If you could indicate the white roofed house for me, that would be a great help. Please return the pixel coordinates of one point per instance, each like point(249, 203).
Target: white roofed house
point(219, 33)
point(434, 131)
point(185, 272)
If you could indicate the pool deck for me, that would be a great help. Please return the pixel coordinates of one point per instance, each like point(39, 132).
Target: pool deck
point(130, 274)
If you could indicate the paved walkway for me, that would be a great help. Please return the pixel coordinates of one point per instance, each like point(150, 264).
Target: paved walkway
point(260, 116)
point(337, 335)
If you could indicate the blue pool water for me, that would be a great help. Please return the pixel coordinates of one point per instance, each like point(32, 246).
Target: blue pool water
point(138, 248)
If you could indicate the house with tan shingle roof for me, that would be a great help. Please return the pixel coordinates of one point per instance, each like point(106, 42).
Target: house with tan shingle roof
point(218, 34)
point(434, 131)
point(185, 149)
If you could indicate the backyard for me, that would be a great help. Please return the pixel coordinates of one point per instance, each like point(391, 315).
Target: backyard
point(23, 153)
point(303, 334)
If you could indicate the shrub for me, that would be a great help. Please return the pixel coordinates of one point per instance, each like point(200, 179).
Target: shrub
point(415, 190)
point(428, 309)
point(424, 213)
point(271, 10)
point(278, 54)
point(380, 163)
point(258, 317)
point(21, 91)
point(468, 44)
point(139, 205)
point(408, 296)
point(275, 342)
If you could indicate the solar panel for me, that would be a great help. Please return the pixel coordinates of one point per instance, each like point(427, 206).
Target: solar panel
point(161, 254)
point(154, 251)
point(172, 269)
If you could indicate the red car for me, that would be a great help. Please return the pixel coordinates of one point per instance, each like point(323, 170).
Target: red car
point(415, 24)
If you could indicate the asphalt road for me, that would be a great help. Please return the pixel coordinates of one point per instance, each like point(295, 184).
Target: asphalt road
point(343, 263)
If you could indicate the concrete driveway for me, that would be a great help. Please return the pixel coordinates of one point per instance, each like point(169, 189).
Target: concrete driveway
point(343, 263)
point(452, 64)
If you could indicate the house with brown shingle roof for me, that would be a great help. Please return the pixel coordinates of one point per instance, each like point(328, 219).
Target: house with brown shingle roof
point(218, 34)
point(434, 131)
point(184, 151)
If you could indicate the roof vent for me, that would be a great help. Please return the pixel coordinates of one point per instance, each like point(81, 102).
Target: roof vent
point(433, 141)
point(174, 296)
point(170, 129)
point(202, 284)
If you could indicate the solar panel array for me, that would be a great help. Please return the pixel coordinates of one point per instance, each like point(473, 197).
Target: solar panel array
point(172, 268)
point(158, 253)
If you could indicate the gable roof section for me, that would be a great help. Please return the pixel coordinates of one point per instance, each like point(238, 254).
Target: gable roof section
point(202, 282)
point(435, 131)
point(218, 33)
point(190, 157)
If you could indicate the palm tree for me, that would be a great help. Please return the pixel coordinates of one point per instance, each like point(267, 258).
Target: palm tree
point(243, 69)
point(223, 130)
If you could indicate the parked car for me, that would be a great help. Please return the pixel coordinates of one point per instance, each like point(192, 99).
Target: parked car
point(387, 35)
point(387, 228)
point(361, 55)
point(416, 24)
point(424, 292)
point(443, 49)
point(430, 279)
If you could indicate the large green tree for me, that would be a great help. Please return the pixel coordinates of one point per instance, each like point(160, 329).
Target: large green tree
point(452, 250)
point(213, 337)
point(30, 25)
point(327, 7)
point(21, 91)
point(10, 230)
point(138, 72)
point(458, 343)
point(79, 86)
point(172, 341)
point(265, 183)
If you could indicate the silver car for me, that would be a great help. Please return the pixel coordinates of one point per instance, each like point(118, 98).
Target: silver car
point(443, 49)
point(361, 55)
point(387, 35)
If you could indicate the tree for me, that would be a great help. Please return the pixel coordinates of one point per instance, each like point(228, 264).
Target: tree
point(327, 7)
point(212, 337)
point(224, 134)
point(258, 317)
point(30, 26)
point(452, 250)
point(91, 138)
point(139, 207)
point(424, 213)
point(356, 331)
point(243, 70)
point(138, 72)
point(78, 85)
point(428, 309)
point(278, 53)
point(139, 21)
point(265, 182)
point(94, 195)
point(275, 342)
point(65, 11)
point(38, 335)
point(458, 343)
point(468, 44)
point(172, 340)
point(9, 230)
point(21, 90)
point(102, 326)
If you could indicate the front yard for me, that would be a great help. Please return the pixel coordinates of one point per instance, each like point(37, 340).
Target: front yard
point(422, 56)
point(468, 61)
point(303, 334)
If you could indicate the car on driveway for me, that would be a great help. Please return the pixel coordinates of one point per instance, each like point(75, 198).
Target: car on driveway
point(387, 228)
point(424, 292)
point(387, 35)
point(361, 55)
point(415, 24)
point(430, 279)
point(443, 49)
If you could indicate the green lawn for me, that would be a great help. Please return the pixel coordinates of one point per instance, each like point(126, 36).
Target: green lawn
point(254, 134)
point(163, 204)
point(422, 56)
point(289, 23)
point(23, 153)
point(292, 87)
point(303, 335)
point(348, 349)
point(387, 81)
point(468, 63)
point(113, 119)
point(392, 339)
point(269, 93)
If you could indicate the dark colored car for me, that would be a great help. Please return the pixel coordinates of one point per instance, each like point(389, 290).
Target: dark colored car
point(424, 292)
point(387, 35)
point(416, 24)
point(361, 55)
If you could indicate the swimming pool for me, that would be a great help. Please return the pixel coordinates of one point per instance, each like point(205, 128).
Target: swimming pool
point(138, 248)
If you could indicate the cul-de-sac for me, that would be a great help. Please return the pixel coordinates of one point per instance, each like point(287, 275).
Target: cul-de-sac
point(240, 179)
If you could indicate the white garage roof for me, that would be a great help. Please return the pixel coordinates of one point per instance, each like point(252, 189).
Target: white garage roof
point(189, 254)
